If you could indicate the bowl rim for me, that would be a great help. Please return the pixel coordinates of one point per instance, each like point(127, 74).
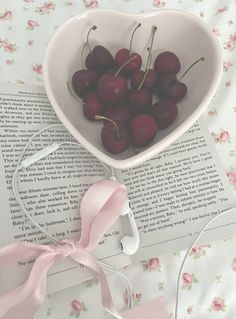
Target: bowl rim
point(156, 148)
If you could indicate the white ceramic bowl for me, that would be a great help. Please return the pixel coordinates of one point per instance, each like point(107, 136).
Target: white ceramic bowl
point(178, 31)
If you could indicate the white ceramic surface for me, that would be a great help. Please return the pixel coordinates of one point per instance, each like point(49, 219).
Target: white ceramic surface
point(178, 31)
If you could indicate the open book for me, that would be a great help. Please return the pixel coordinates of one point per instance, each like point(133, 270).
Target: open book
point(171, 196)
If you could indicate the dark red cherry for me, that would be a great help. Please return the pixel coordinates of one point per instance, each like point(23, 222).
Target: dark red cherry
point(112, 88)
point(139, 101)
point(123, 56)
point(149, 83)
point(163, 81)
point(176, 91)
point(167, 62)
point(84, 81)
point(170, 87)
point(92, 105)
point(99, 59)
point(143, 129)
point(118, 113)
point(165, 112)
point(115, 138)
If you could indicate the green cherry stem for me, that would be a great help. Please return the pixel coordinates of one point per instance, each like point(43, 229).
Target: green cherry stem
point(72, 92)
point(82, 55)
point(94, 27)
point(149, 59)
point(123, 65)
point(132, 36)
point(200, 59)
point(100, 117)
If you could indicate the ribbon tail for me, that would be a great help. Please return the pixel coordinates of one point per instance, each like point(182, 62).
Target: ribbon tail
point(107, 216)
point(22, 311)
point(23, 302)
point(91, 205)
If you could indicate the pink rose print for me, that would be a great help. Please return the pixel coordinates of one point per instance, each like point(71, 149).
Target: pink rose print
point(232, 176)
point(188, 280)
point(190, 310)
point(202, 14)
point(199, 251)
point(231, 43)
point(37, 68)
point(30, 43)
point(76, 308)
point(227, 65)
point(31, 24)
point(159, 4)
point(135, 296)
point(212, 112)
point(218, 304)
point(228, 83)
point(47, 7)
point(7, 15)
point(152, 264)
point(233, 265)
point(222, 9)
point(7, 46)
point(222, 137)
point(10, 62)
point(91, 4)
point(216, 32)
point(234, 109)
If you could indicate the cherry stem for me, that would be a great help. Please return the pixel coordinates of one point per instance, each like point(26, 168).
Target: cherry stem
point(200, 59)
point(82, 55)
point(149, 59)
point(100, 117)
point(72, 92)
point(132, 36)
point(123, 65)
point(94, 27)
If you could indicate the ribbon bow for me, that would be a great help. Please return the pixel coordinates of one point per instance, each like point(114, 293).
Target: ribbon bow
point(99, 209)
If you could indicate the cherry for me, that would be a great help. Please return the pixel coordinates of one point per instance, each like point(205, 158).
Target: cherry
point(84, 81)
point(165, 112)
point(112, 88)
point(172, 88)
point(145, 79)
point(143, 129)
point(115, 136)
point(176, 91)
point(140, 99)
point(92, 106)
point(167, 62)
point(149, 83)
point(123, 55)
point(119, 113)
point(98, 59)
point(163, 81)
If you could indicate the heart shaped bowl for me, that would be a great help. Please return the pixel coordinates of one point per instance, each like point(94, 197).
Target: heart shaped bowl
point(184, 34)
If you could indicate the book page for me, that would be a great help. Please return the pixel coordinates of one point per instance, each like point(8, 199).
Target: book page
point(50, 189)
point(177, 192)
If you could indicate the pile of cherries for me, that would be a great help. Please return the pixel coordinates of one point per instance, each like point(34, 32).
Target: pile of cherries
point(118, 92)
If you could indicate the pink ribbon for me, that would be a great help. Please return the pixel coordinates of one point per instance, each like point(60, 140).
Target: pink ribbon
point(99, 209)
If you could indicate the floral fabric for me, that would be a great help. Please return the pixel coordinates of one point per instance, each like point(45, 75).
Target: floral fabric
point(208, 282)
